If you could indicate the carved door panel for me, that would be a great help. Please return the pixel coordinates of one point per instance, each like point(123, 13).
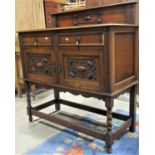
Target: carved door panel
point(39, 64)
point(82, 68)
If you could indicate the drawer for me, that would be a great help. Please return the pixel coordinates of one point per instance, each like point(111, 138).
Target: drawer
point(91, 17)
point(79, 18)
point(37, 40)
point(28, 40)
point(38, 50)
point(81, 39)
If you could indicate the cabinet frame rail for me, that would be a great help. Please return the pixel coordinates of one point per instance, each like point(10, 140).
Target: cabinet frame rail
point(53, 118)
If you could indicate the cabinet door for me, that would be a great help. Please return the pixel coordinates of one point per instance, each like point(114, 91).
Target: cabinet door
point(39, 64)
point(82, 67)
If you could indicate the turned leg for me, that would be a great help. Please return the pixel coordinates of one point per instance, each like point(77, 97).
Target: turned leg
point(28, 100)
point(57, 97)
point(33, 90)
point(132, 108)
point(109, 135)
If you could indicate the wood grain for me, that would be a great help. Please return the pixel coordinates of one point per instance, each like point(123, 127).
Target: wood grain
point(91, 3)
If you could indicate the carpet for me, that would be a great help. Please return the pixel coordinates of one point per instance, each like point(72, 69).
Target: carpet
point(71, 142)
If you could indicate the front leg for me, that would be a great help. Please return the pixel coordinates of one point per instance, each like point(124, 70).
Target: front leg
point(57, 97)
point(109, 134)
point(28, 97)
point(133, 108)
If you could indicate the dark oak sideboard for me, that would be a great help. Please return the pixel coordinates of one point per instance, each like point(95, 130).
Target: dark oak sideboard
point(94, 61)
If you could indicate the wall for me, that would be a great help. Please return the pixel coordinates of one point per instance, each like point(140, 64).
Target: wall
point(29, 14)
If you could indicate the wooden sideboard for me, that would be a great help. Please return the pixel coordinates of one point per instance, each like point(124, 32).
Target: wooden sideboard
point(98, 60)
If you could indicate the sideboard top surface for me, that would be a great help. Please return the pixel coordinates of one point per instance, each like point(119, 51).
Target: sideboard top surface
point(82, 27)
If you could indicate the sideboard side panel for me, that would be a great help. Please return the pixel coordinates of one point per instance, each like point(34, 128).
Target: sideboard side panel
point(123, 57)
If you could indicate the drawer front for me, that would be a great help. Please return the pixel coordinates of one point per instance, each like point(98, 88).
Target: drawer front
point(96, 38)
point(82, 69)
point(37, 40)
point(114, 14)
point(38, 50)
point(39, 64)
point(28, 40)
point(79, 18)
point(87, 18)
point(47, 40)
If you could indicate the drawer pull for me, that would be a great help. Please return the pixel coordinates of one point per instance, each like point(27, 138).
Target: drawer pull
point(46, 38)
point(99, 13)
point(35, 43)
point(87, 17)
point(77, 43)
point(99, 20)
point(78, 40)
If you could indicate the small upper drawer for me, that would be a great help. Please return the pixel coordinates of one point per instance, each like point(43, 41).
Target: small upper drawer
point(37, 40)
point(87, 18)
point(76, 39)
point(28, 40)
point(44, 40)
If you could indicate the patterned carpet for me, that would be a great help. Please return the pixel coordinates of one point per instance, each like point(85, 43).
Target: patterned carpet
point(71, 142)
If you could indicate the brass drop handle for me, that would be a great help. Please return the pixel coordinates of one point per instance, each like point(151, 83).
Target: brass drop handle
point(78, 41)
